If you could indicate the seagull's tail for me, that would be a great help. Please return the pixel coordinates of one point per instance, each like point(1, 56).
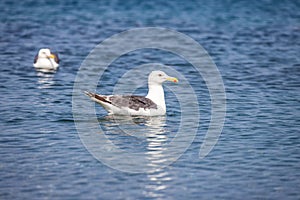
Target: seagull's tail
point(98, 98)
point(89, 94)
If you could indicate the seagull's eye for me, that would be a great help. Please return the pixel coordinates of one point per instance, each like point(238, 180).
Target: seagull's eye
point(159, 74)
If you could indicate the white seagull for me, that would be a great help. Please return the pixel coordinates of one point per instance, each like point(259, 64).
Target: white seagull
point(46, 59)
point(151, 105)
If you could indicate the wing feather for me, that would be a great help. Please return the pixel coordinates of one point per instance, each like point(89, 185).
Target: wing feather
point(132, 102)
point(35, 58)
point(56, 58)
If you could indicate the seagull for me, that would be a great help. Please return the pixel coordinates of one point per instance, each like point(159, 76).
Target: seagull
point(151, 105)
point(46, 59)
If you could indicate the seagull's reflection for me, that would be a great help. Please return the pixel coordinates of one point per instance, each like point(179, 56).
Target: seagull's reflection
point(158, 177)
point(153, 130)
point(138, 126)
point(45, 78)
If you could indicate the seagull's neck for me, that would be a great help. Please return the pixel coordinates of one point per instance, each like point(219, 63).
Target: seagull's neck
point(157, 95)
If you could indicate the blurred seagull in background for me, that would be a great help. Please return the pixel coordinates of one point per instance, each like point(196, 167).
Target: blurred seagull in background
point(46, 59)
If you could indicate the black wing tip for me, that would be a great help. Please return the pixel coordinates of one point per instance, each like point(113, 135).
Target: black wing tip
point(35, 58)
point(57, 59)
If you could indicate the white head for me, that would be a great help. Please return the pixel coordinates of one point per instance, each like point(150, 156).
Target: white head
point(45, 53)
point(158, 77)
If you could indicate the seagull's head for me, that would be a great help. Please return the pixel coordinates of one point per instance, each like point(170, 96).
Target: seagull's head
point(45, 53)
point(158, 77)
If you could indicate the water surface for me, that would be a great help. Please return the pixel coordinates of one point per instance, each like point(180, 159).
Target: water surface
point(256, 47)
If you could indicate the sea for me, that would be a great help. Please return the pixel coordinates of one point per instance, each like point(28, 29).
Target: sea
point(48, 150)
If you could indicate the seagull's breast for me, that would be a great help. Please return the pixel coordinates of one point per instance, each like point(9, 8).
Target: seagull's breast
point(45, 63)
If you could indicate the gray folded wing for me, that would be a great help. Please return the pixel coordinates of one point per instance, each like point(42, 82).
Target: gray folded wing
point(132, 102)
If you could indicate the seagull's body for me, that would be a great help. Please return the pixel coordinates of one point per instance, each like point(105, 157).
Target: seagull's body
point(151, 105)
point(46, 59)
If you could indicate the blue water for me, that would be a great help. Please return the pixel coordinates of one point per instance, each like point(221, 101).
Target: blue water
point(256, 46)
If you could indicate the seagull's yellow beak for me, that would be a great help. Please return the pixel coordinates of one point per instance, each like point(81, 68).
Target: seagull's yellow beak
point(172, 79)
point(51, 56)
